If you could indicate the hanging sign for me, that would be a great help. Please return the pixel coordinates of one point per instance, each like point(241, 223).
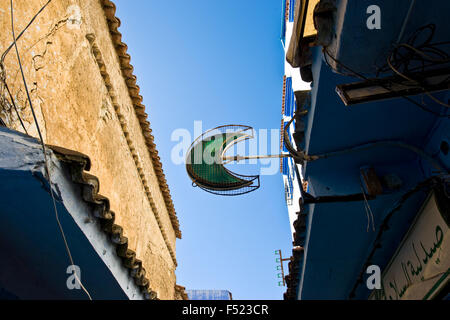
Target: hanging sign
point(420, 266)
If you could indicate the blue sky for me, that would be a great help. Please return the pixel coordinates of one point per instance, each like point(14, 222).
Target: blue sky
point(220, 62)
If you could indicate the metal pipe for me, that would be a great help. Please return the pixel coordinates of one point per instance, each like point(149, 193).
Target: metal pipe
point(239, 158)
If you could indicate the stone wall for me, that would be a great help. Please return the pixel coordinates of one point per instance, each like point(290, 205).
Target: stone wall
point(83, 103)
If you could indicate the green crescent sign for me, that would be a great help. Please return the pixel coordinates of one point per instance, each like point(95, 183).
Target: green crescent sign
point(205, 166)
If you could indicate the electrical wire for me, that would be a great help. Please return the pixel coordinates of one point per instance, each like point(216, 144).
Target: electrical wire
point(301, 156)
point(416, 82)
point(405, 21)
point(3, 56)
point(394, 63)
point(43, 146)
point(23, 31)
point(358, 75)
point(425, 186)
point(426, 53)
point(368, 209)
point(392, 143)
point(15, 107)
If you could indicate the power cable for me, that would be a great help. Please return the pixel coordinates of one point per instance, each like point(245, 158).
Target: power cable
point(15, 107)
point(425, 186)
point(301, 156)
point(354, 73)
point(23, 31)
point(392, 143)
point(43, 147)
point(405, 21)
point(426, 53)
point(4, 56)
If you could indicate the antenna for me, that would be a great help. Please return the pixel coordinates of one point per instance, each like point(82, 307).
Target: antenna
point(281, 267)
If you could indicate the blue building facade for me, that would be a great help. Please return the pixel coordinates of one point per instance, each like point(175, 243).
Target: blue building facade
point(35, 262)
point(370, 142)
point(295, 90)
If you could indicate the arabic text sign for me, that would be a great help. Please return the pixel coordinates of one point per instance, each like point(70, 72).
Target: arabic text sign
point(421, 264)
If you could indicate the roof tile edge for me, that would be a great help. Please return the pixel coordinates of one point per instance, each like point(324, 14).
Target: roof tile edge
point(133, 90)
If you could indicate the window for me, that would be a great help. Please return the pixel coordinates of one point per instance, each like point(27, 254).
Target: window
point(289, 190)
point(283, 23)
point(291, 10)
point(289, 100)
point(285, 166)
point(288, 171)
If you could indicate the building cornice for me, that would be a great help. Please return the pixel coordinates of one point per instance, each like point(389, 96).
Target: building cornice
point(133, 89)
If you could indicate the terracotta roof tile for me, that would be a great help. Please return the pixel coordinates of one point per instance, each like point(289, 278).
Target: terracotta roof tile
point(77, 164)
point(130, 79)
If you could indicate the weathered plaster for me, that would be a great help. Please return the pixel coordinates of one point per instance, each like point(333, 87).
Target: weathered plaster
point(86, 106)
